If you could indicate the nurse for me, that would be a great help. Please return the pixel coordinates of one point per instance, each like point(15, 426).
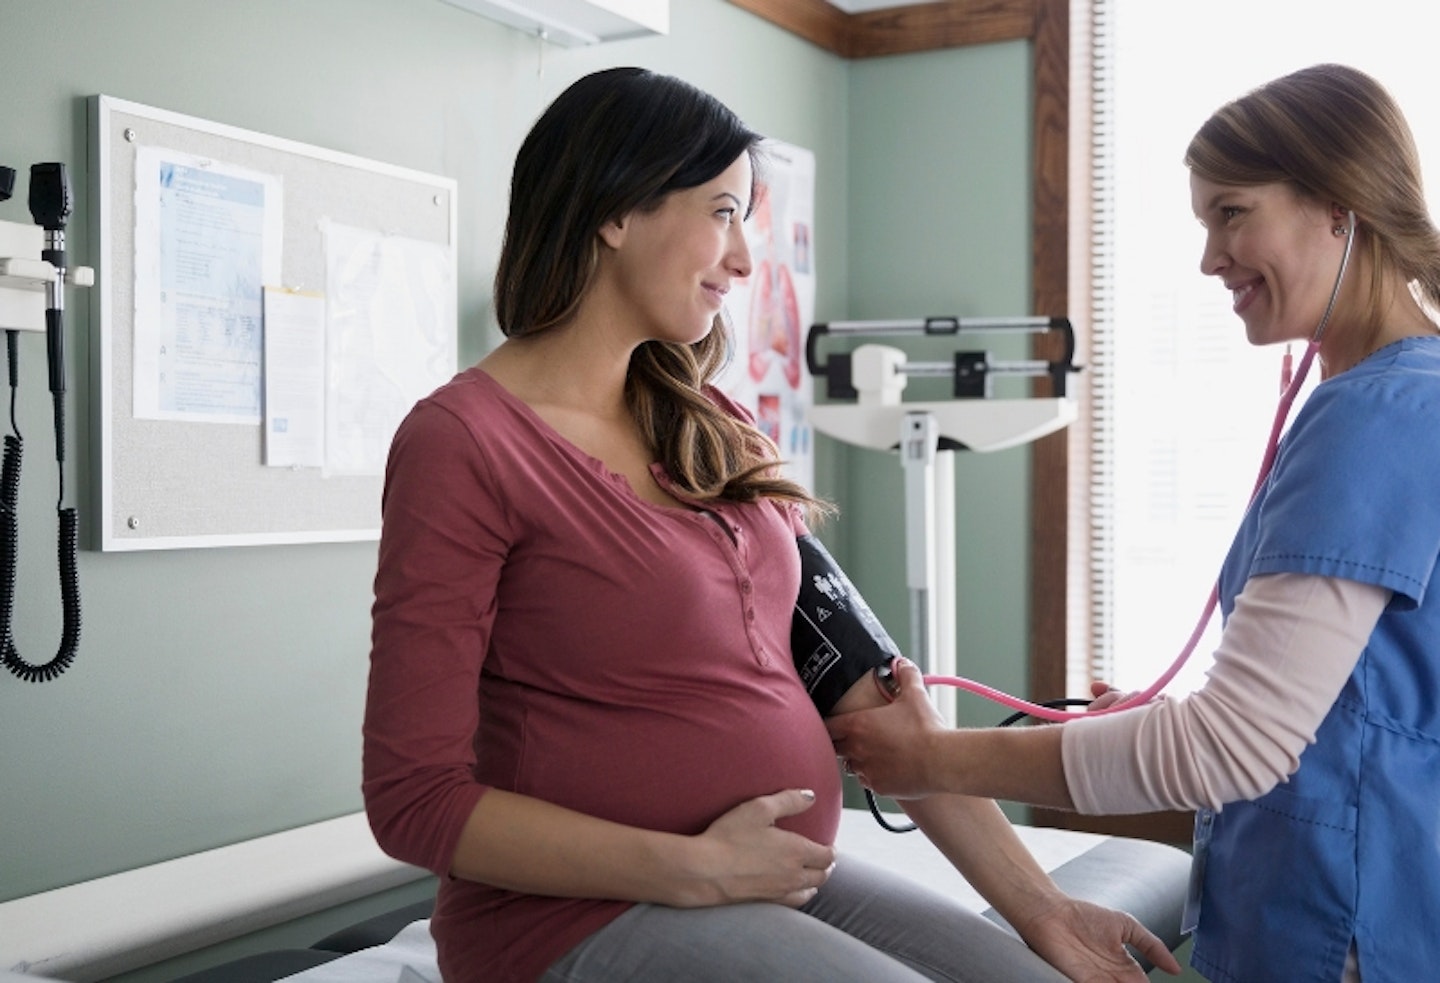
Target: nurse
point(1310, 750)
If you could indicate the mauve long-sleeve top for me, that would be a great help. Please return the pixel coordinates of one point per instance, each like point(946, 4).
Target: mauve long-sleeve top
point(540, 628)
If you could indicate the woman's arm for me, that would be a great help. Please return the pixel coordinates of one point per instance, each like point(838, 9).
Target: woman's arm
point(1083, 940)
point(973, 833)
point(524, 844)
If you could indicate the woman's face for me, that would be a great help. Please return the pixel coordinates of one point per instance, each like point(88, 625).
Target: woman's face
point(673, 265)
point(1274, 250)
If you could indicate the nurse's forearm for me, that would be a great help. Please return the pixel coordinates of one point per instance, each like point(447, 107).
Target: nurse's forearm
point(1021, 764)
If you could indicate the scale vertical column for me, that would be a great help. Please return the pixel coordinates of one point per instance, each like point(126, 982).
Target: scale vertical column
point(919, 448)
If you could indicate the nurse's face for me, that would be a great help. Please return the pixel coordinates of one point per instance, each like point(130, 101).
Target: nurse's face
point(1275, 251)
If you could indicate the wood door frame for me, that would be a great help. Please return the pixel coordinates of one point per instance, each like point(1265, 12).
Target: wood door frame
point(1046, 25)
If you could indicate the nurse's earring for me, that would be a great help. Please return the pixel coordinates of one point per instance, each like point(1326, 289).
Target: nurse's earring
point(1338, 216)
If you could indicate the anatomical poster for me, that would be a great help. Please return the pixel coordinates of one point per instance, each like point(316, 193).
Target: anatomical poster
point(772, 309)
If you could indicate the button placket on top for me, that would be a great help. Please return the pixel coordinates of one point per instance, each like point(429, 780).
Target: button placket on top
point(724, 527)
point(728, 533)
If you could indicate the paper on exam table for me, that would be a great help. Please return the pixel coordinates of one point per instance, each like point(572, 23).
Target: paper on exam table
point(407, 958)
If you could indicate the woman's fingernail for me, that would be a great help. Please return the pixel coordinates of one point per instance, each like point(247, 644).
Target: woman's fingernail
point(807, 794)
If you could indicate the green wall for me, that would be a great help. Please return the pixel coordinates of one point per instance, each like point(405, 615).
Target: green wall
point(939, 212)
point(218, 692)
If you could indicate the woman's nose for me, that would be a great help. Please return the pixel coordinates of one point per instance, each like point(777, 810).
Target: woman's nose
point(739, 255)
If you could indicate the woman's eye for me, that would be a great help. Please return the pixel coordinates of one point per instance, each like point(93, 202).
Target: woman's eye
point(728, 214)
point(1227, 212)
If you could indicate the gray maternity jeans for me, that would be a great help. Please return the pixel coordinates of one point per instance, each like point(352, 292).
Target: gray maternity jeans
point(864, 926)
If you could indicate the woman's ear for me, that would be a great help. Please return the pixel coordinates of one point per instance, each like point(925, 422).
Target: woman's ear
point(612, 233)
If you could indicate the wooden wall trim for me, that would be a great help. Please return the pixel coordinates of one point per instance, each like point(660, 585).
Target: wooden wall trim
point(1050, 285)
point(900, 30)
point(816, 21)
point(928, 26)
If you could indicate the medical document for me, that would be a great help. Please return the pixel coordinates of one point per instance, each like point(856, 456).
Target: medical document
point(207, 236)
point(294, 378)
point(390, 339)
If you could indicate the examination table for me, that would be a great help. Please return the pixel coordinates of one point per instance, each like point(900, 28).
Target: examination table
point(1144, 878)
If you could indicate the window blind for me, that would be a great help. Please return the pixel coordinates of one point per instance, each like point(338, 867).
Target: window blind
point(1176, 405)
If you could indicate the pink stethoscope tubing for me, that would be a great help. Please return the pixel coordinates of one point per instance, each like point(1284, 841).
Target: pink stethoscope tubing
point(1282, 413)
point(1150, 692)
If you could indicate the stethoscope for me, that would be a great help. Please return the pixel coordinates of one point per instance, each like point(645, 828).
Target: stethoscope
point(1292, 386)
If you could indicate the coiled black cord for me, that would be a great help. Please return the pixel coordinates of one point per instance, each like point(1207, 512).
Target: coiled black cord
point(1014, 718)
point(67, 547)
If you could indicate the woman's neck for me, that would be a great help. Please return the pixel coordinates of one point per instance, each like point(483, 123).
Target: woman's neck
point(571, 367)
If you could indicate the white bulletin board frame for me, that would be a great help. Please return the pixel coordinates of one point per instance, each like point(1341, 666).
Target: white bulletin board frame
point(165, 483)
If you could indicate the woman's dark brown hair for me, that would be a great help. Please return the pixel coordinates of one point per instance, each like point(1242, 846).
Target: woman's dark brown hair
point(614, 142)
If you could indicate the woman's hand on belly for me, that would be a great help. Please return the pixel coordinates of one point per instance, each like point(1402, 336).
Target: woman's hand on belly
point(530, 846)
point(744, 856)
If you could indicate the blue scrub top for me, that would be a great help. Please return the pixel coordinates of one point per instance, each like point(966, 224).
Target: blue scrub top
point(1349, 847)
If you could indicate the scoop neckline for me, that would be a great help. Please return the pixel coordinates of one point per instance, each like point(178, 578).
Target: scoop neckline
point(657, 469)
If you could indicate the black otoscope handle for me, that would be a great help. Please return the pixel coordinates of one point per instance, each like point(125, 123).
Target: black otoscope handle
point(55, 352)
point(50, 205)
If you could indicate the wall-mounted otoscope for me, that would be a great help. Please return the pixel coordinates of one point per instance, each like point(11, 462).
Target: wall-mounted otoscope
point(50, 205)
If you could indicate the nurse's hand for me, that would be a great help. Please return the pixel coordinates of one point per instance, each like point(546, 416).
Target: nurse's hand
point(744, 856)
point(1102, 695)
point(890, 749)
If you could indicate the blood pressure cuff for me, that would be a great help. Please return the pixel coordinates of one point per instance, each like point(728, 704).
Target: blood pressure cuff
point(834, 637)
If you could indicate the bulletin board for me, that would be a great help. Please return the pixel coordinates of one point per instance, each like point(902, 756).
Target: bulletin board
point(167, 483)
